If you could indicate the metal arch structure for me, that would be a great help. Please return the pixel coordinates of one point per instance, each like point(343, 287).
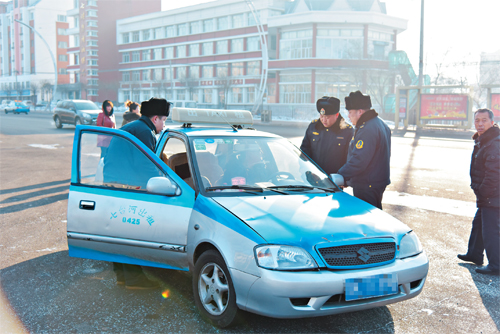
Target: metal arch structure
point(51, 54)
point(265, 57)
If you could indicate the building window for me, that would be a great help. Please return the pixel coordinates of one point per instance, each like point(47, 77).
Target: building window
point(91, 43)
point(181, 72)
point(296, 44)
point(60, 18)
point(126, 57)
point(208, 48)
point(237, 45)
point(170, 31)
point(168, 73)
point(135, 36)
point(295, 93)
point(207, 95)
point(181, 51)
point(253, 43)
point(157, 74)
point(236, 95)
point(238, 21)
point(125, 76)
point(92, 24)
point(379, 44)
point(221, 47)
point(136, 76)
point(146, 55)
point(92, 92)
point(92, 13)
point(208, 25)
point(207, 71)
point(60, 31)
point(253, 68)
point(222, 23)
point(136, 56)
point(93, 82)
point(194, 50)
point(62, 45)
point(251, 95)
point(92, 62)
point(183, 29)
point(63, 57)
point(146, 35)
point(194, 72)
point(222, 70)
point(195, 27)
point(92, 53)
point(169, 52)
point(251, 19)
point(157, 54)
point(339, 43)
point(237, 69)
point(157, 33)
point(146, 75)
point(92, 33)
point(91, 3)
point(125, 37)
point(92, 72)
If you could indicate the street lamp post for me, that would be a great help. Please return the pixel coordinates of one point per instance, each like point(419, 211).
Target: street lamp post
point(51, 54)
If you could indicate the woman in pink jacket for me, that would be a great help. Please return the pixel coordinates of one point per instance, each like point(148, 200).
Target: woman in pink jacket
point(106, 119)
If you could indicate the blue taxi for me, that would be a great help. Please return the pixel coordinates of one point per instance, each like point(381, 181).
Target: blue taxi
point(262, 227)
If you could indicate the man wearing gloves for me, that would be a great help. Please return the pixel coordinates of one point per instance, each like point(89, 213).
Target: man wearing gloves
point(367, 169)
point(327, 139)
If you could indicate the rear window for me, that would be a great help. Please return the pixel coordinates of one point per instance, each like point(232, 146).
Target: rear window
point(84, 105)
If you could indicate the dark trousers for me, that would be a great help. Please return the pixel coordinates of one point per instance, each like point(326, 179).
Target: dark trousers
point(370, 194)
point(485, 235)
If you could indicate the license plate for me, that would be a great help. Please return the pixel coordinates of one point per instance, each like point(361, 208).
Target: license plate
point(370, 287)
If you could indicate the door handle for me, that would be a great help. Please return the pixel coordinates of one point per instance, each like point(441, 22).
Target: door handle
point(87, 205)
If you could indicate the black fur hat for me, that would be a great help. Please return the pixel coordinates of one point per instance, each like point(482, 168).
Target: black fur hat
point(155, 107)
point(328, 105)
point(356, 100)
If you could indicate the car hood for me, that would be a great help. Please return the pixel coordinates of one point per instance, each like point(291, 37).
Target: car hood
point(90, 112)
point(309, 220)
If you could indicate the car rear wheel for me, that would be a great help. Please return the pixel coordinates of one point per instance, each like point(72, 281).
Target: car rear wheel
point(213, 290)
point(78, 121)
point(58, 123)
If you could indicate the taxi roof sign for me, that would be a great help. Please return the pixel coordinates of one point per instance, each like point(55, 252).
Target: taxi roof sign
point(212, 116)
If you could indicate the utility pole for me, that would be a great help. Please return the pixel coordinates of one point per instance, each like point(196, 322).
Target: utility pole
point(421, 59)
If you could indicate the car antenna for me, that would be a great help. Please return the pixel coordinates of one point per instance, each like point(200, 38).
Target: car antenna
point(225, 120)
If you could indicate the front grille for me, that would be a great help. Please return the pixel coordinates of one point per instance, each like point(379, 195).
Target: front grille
point(359, 254)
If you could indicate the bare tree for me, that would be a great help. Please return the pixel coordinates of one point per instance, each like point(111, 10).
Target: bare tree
point(225, 83)
point(46, 90)
point(34, 88)
point(191, 84)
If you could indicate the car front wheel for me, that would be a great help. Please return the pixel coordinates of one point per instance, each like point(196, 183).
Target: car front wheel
point(57, 120)
point(213, 290)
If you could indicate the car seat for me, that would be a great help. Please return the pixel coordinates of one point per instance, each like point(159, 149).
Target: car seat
point(179, 164)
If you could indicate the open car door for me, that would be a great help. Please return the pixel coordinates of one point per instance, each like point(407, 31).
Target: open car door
point(125, 205)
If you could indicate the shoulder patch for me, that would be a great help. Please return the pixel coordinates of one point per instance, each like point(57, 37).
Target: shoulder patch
point(359, 144)
point(314, 121)
point(316, 133)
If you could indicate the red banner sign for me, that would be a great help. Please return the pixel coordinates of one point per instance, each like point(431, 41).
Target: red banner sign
point(444, 106)
point(495, 106)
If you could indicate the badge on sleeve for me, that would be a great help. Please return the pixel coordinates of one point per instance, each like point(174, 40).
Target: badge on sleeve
point(359, 144)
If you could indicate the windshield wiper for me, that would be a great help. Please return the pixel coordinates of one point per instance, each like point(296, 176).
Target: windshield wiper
point(236, 186)
point(298, 187)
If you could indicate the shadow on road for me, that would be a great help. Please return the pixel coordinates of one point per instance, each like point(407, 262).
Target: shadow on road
point(487, 286)
point(34, 186)
point(57, 293)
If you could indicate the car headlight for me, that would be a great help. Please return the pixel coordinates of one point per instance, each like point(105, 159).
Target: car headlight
point(409, 245)
point(86, 116)
point(281, 257)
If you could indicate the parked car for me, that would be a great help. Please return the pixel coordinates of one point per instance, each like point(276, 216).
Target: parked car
point(75, 112)
point(29, 103)
point(262, 228)
point(4, 104)
point(17, 107)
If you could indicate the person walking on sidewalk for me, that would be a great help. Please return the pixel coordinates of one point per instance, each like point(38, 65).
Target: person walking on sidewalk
point(485, 181)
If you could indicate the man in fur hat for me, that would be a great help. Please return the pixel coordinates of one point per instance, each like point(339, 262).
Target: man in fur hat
point(327, 139)
point(367, 169)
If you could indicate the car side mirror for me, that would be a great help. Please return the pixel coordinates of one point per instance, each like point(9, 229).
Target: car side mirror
point(162, 186)
point(337, 179)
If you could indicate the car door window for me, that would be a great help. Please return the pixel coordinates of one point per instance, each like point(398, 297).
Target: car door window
point(174, 154)
point(123, 165)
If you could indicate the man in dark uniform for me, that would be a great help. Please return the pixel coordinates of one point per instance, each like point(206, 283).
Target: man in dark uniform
point(485, 181)
point(327, 139)
point(367, 169)
point(121, 152)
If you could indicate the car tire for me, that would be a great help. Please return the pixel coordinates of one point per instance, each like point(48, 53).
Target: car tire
point(213, 290)
point(58, 122)
point(78, 121)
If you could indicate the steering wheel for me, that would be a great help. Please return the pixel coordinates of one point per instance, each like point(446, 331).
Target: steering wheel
point(279, 175)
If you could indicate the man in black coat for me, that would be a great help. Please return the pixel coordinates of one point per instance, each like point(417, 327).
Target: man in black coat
point(367, 169)
point(326, 142)
point(121, 153)
point(485, 181)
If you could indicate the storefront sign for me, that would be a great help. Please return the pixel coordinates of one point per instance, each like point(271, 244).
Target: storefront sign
point(444, 106)
point(495, 106)
point(402, 107)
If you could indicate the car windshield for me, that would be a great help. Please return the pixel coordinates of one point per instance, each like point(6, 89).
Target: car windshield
point(253, 164)
point(86, 106)
point(19, 104)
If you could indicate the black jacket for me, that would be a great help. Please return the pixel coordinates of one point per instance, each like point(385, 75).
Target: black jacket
point(327, 146)
point(485, 168)
point(143, 129)
point(368, 161)
point(130, 117)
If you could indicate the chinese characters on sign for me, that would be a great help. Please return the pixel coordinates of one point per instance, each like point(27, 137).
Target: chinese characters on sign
point(444, 106)
point(132, 215)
